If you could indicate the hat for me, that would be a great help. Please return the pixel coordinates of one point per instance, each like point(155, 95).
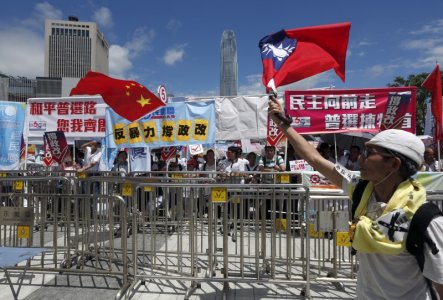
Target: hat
point(402, 142)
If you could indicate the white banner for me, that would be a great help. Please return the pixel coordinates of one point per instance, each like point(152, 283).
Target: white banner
point(140, 160)
point(241, 117)
point(83, 118)
point(80, 118)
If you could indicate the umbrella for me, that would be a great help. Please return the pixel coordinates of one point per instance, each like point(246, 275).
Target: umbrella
point(345, 140)
point(426, 139)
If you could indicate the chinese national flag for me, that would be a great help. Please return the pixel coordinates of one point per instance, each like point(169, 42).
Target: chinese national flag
point(128, 98)
point(433, 84)
point(292, 55)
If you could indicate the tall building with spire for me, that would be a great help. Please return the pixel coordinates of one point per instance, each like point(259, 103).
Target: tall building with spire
point(73, 48)
point(228, 64)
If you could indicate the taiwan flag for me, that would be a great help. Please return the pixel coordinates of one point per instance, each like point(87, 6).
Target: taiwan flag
point(292, 55)
point(128, 98)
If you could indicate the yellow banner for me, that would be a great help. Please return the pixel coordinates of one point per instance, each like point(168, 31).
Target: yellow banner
point(135, 134)
point(150, 132)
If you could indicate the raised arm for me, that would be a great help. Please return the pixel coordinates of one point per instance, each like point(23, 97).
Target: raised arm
point(87, 144)
point(304, 149)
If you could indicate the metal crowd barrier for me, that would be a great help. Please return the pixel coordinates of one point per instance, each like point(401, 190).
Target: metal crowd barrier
point(195, 227)
point(328, 227)
point(230, 236)
point(76, 230)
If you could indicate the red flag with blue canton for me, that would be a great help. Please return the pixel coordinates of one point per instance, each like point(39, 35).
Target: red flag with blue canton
point(292, 55)
point(128, 98)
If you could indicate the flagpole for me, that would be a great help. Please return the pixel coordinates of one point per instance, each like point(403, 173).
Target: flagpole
point(438, 154)
point(335, 147)
point(286, 154)
point(26, 154)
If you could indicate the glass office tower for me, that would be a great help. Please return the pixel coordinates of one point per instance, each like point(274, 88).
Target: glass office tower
point(228, 64)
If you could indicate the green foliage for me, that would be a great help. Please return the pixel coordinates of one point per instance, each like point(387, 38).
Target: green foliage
point(422, 95)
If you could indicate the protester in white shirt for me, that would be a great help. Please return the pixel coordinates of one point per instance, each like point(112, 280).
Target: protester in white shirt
point(350, 160)
point(232, 165)
point(93, 154)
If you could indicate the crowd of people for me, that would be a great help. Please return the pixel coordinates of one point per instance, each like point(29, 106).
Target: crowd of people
point(87, 159)
point(239, 167)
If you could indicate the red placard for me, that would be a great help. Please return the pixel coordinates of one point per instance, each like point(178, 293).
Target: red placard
point(168, 152)
point(56, 142)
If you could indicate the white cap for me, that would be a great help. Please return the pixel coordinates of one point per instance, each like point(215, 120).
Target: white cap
point(402, 142)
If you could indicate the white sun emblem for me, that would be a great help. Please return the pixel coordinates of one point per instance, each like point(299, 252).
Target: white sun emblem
point(278, 52)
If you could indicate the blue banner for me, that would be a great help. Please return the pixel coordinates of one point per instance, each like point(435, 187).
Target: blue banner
point(182, 123)
point(12, 118)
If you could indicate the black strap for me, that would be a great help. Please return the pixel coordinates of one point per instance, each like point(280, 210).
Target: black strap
point(417, 236)
point(356, 198)
point(431, 289)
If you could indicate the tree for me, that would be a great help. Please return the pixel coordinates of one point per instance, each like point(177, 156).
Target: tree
point(422, 95)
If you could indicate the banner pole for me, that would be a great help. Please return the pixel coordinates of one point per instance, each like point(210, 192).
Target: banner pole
point(438, 151)
point(335, 147)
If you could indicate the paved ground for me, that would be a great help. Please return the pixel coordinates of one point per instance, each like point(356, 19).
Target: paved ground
point(99, 287)
point(246, 243)
point(73, 286)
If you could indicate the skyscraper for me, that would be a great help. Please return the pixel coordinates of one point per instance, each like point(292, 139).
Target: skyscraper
point(228, 64)
point(73, 48)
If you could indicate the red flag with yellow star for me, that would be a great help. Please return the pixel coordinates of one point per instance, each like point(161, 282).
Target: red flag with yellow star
point(128, 98)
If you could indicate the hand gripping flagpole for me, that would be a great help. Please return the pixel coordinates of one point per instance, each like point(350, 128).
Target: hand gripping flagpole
point(285, 119)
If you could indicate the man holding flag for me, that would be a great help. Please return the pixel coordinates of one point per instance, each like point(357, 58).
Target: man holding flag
point(389, 195)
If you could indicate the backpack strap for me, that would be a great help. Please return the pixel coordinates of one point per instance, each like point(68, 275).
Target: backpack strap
point(417, 236)
point(356, 196)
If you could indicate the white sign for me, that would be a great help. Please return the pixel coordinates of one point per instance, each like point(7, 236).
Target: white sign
point(195, 149)
point(78, 117)
point(161, 91)
point(299, 165)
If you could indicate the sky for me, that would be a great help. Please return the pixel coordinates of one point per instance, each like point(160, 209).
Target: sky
point(176, 43)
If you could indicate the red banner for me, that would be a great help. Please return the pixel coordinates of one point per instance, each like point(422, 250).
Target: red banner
point(368, 110)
